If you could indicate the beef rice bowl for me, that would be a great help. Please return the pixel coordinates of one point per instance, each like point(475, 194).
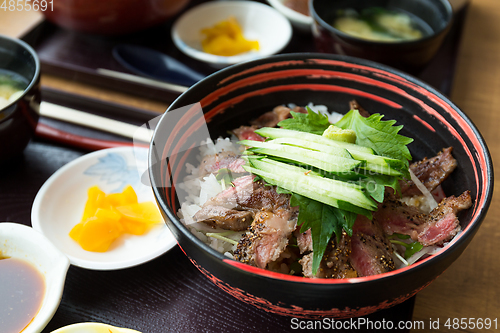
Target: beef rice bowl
point(306, 237)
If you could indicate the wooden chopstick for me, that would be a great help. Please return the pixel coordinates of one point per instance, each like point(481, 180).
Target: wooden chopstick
point(69, 115)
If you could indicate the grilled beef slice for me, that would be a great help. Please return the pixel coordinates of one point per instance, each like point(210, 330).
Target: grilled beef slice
point(272, 118)
point(336, 260)
point(225, 209)
point(430, 171)
point(354, 105)
point(247, 133)
point(304, 240)
point(223, 160)
point(268, 119)
point(440, 225)
point(371, 252)
point(266, 238)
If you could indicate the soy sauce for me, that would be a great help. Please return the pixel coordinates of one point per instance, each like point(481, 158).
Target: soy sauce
point(22, 288)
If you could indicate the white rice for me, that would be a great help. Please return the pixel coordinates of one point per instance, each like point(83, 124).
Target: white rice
point(199, 190)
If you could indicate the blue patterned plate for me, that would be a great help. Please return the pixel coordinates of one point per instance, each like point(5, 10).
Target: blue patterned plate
point(59, 205)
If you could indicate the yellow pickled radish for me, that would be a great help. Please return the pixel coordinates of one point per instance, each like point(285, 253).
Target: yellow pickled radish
point(226, 38)
point(76, 231)
point(134, 227)
point(144, 212)
point(98, 233)
point(107, 217)
point(127, 197)
point(139, 217)
point(94, 198)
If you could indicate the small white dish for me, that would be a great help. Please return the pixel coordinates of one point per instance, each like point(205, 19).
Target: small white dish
point(93, 328)
point(25, 243)
point(300, 21)
point(258, 21)
point(59, 205)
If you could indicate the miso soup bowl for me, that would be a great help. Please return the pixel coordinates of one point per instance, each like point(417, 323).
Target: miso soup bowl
point(238, 94)
point(410, 56)
point(19, 118)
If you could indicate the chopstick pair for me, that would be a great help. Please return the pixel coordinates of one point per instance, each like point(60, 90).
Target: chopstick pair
point(69, 115)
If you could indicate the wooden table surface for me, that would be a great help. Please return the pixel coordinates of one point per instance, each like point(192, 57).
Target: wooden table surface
point(470, 288)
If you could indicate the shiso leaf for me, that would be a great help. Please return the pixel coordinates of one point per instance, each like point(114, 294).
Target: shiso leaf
point(310, 122)
point(381, 136)
point(324, 221)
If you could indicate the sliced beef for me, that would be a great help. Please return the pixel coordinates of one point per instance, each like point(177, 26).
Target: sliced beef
point(224, 160)
point(266, 238)
point(245, 195)
point(227, 209)
point(430, 171)
point(371, 252)
point(268, 119)
point(443, 223)
point(225, 218)
point(335, 263)
point(396, 217)
point(354, 105)
point(272, 118)
point(304, 240)
point(257, 195)
point(247, 133)
point(234, 196)
point(440, 225)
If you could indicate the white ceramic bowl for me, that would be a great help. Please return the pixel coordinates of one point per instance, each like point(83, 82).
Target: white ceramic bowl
point(258, 22)
point(93, 328)
point(300, 21)
point(22, 242)
point(59, 205)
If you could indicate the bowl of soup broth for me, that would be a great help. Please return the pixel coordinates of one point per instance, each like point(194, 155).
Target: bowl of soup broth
point(19, 96)
point(399, 33)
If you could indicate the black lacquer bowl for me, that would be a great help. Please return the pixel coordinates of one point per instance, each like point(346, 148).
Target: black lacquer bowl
point(19, 118)
point(411, 56)
point(235, 95)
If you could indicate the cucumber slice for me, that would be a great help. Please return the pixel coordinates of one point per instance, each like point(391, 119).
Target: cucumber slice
point(375, 163)
point(318, 159)
point(341, 152)
point(328, 191)
point(275, 133)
